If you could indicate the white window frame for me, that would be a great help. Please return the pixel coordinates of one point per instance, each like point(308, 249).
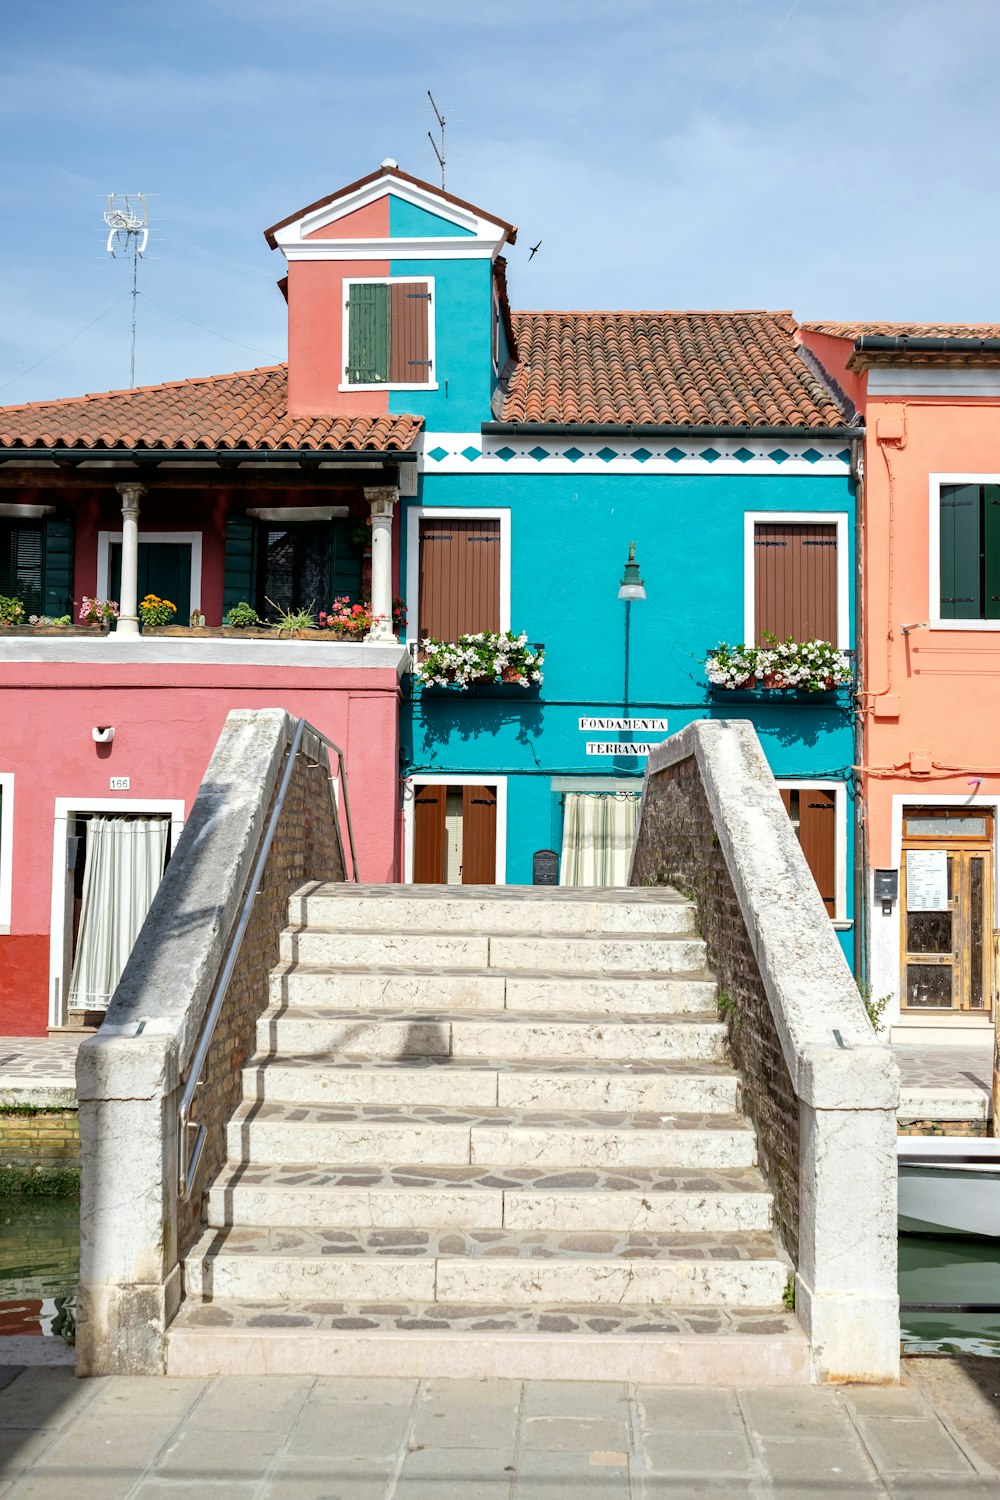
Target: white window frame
point(443, 778)
point(66, 808)
point(6, 849)
point(414, 516)
point(934, 552)
point(840, 919)
point(106, 539)
point(385, 385)
point(838, 518)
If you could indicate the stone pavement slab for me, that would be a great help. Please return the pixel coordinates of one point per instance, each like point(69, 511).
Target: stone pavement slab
point(305, 1438)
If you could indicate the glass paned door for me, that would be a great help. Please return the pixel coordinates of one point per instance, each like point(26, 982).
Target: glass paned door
point(947, 919)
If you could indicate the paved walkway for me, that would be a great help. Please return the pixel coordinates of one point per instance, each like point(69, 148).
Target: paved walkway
point(291, 1438)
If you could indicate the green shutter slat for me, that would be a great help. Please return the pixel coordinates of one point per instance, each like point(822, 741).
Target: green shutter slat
point(57, 567)
point(961, 594)
point(345, 562)
point(368, 334)
point(991, 550)
point(239, 579)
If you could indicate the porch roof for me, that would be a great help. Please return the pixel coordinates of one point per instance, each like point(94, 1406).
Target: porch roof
point(243, 412)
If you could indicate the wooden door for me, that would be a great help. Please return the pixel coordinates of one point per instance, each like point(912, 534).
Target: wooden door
point(479, 835)
point(459, 577)
point(795, 580)
point(813, 811)
point(429, 857)
point(946, 943)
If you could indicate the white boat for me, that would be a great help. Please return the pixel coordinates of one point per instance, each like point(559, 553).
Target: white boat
point(949, 1185)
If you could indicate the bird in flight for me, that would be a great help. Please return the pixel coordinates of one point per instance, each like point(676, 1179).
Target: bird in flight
point(534, 250)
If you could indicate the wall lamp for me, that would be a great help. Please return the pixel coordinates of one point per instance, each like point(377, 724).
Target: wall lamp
point(632, 586)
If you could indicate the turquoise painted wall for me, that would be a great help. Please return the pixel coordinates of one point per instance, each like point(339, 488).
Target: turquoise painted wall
point(407, 221)
point(690, 542)
point(463, 359)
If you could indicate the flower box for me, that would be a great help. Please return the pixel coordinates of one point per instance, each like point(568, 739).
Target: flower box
point(811, 666)
point(481, 660)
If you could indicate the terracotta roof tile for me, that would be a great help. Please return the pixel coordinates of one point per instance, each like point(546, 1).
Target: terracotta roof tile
point(725, 369)
point(243, 410)
point(900, 330)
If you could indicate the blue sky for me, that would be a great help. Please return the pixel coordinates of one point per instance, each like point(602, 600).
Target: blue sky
point(838, 157)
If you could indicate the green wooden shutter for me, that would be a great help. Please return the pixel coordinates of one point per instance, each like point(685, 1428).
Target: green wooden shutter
point(961, 596)
point(239, 579)
point(991, 550)
point(57, 567)
point(345, 562)
point(368, 333)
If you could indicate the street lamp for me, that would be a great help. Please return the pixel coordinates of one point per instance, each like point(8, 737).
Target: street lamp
point(631, 587)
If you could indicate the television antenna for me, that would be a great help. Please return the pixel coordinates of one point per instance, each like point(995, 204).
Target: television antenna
point(439, 153)
point(127, 218)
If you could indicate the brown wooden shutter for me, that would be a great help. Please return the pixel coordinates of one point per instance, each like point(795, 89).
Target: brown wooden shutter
point(429, 807)
point(817, 831)
point(459, 577)
point(479, 835)
point(409, 305)
point(795, 580)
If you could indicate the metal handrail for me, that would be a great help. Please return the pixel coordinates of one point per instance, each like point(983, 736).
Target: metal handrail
point(187, 1164)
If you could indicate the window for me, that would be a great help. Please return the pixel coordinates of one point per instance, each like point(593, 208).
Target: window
point(36, 564)
point(295, 565)
point(818, 814)
point(795, 580)
point(969, 521)
point(459, 576)
point(389, 333)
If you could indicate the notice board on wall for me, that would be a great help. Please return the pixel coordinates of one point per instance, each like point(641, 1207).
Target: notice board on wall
point(927, 880)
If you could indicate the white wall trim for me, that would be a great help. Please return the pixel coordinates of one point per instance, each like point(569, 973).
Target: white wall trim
point(479, 225)
point(6, 849)
point(106, 539)
point(415, 514)
point(935, 481)
point(809, 518)
point(65, 808)
point(839, 789)
point(930, 380)
point(438, 247)
point(525, 452)
point(345, 333)
point(442, 778)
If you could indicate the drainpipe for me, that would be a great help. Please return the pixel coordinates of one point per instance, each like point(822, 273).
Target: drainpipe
point(383, 501)
point(860, 873)
point(128, 610)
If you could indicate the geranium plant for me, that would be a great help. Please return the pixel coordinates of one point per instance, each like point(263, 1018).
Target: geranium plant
point(351, 621)
point(811, 666)
point(156, 611)
point(11, 610)
point(98, 611)
point(481, 657)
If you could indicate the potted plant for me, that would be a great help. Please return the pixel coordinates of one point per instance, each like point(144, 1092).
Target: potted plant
point(11, 610)
point(154, 611)
point(98, 611)
point(243, 616)
point(812, 666)
point(479, 658)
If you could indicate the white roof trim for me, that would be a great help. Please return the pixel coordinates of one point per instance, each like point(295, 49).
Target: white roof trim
point(483, 228)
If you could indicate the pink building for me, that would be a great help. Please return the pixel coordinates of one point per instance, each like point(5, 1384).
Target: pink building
point(930, 636)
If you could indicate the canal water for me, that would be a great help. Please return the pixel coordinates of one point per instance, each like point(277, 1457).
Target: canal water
point(40, 1262)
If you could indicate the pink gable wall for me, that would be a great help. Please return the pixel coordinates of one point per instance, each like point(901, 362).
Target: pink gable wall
point(370, 222)
point(833, 355)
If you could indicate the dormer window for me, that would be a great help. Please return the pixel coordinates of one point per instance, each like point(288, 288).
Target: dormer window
point(389, 334)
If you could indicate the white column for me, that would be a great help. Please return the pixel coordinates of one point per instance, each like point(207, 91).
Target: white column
point(128, 604)
point(383, 502)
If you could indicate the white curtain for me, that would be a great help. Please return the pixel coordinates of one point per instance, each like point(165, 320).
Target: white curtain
point(125, 858)
point(597, 839)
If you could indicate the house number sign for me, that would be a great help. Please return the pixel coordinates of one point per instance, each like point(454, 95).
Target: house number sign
point(120, 783)
point(927, 880)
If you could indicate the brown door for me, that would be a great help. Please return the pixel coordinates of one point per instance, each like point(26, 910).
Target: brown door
point(479, 835)
point(813, 811)
point(429, 859)
point(459, 577)
point(946, 903)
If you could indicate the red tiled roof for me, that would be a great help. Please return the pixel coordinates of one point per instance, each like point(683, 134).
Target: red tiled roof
point(726, 369)
point(245, 410)
point(910, 330)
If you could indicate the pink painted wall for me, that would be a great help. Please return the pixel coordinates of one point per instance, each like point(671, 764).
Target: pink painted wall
point(942, 687)
point(833, 355)
point(167, 720)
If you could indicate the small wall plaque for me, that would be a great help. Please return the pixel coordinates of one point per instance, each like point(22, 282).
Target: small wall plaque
point(120, 783)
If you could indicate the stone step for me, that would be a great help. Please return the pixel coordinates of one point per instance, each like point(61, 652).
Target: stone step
point(272, 1133)
point(313, 1031)
point(487, 1265)
point(653, 1344)
point(379, 988)
point(470, 1197)
point(508, 909)
point(444, 951)
point(691, 1088)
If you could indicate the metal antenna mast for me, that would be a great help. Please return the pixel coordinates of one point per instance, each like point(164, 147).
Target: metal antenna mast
point(438, 153)
point(127, 218)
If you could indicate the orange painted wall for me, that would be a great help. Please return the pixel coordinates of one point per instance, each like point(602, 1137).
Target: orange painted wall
point(316, 321)
point(946, 681)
